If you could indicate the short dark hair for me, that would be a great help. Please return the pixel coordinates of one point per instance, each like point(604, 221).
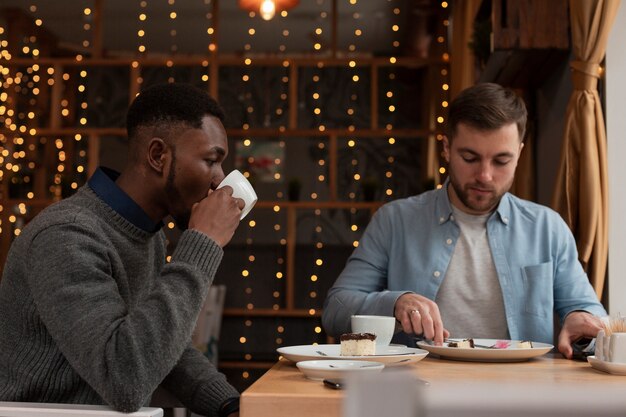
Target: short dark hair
point(162, 105)
point(487, 106)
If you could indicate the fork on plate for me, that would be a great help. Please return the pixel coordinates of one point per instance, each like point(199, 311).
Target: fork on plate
point(362, 366)
point(475, 344)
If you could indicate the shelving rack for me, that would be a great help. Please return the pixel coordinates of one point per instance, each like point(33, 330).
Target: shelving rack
point(50, 124)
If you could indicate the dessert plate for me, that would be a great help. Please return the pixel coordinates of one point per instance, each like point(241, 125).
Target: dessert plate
point(392, 355)
point(336, 369)
point(614, 368)
point(481, 354)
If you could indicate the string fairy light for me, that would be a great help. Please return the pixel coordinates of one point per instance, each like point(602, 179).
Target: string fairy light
point(211, 45)
point(312, 284)
point(246, 78)
point(355, 177)
point(18, 114)
point(141, 31)
point(280, 261)
point(79, 173)
point(317, 237)
point(444, 76)
point(247, 275)
point(321, 165)
point(4, 111)
point(172, 15)
point(391, 102)
point(277, 292)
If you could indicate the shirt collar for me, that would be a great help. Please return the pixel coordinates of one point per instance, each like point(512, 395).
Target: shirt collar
point(443, 206)
point(102, 182)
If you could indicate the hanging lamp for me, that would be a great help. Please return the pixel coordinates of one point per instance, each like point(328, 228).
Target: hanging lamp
point(267, 8)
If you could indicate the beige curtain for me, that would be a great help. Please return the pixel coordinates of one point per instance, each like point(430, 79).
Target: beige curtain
point(581, 190)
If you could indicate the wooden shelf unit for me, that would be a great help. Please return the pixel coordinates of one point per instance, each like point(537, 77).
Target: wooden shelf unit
point(53, 127)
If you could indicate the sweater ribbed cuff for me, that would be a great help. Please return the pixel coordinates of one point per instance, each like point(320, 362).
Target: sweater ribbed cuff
point(230, 406)
point(212, 398)
point(198, 249)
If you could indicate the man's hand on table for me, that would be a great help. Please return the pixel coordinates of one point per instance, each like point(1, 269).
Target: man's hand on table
point(420, 315)
point(577, 324)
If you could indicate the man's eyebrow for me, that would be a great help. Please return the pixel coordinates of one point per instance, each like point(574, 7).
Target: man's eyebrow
point(474, 153)
point(219, 150)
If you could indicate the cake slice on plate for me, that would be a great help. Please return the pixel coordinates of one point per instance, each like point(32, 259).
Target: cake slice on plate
point(465, 343)
point(358, 344)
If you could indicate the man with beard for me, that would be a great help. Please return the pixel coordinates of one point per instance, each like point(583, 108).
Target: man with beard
point(470, 259)
point(90, 311)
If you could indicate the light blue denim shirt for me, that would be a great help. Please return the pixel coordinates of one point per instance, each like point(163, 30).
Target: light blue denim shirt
point(408, 245)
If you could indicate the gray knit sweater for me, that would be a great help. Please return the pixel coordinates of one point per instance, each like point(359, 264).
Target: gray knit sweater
point(90, 312)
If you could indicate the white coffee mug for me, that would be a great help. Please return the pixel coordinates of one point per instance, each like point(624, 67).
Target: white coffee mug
point(382, 326)
point(617, 348)
point(241, 189)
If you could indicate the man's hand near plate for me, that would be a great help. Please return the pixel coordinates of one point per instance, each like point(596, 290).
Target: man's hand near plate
point(420, 315)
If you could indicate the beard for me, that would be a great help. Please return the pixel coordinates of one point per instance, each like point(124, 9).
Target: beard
point(173, 195)
point(478, 203)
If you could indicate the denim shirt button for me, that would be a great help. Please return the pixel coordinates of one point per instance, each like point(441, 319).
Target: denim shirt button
point(436, 274)
point(448, 241)
point(442, 219)
point(505, 220)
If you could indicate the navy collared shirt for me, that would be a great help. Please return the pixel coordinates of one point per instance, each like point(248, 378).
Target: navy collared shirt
point(102, 182)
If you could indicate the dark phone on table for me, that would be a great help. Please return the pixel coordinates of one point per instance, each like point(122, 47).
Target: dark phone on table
point(582, 348)
point(333, 383)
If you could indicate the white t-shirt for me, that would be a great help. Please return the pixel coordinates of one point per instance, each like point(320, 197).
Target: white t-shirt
point(470, 297)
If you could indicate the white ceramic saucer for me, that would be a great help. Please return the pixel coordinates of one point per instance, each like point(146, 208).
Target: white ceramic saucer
point(392, 355)
point(336, 369)
point(614, 368)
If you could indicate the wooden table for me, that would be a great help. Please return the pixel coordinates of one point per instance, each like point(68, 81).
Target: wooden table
point(284, 391)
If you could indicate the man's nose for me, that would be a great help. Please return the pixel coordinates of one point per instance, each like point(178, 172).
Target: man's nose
point(217, 178)
point(485, 172)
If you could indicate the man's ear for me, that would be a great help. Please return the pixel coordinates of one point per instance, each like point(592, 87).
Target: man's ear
point(446, 148)
point(157, 154)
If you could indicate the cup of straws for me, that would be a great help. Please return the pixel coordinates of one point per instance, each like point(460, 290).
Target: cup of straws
point(611, 341)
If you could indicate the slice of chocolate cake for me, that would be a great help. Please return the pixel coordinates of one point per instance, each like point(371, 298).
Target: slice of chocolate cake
point(465, 343)
point(358, 344)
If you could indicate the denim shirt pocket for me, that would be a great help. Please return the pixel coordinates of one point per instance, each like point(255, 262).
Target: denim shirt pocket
point(538, 289)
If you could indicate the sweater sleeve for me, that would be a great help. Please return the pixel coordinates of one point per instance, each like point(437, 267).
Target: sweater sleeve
point(198, 385)
point(121, 343)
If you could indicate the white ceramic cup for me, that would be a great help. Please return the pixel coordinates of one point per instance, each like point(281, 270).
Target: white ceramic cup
point(382, 326)
point(241, 189)
point(617, 348)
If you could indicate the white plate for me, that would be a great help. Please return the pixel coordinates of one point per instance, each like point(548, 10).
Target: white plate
point(392, 355)
point(478, 354)
point(614, 368)
point(328, 369)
